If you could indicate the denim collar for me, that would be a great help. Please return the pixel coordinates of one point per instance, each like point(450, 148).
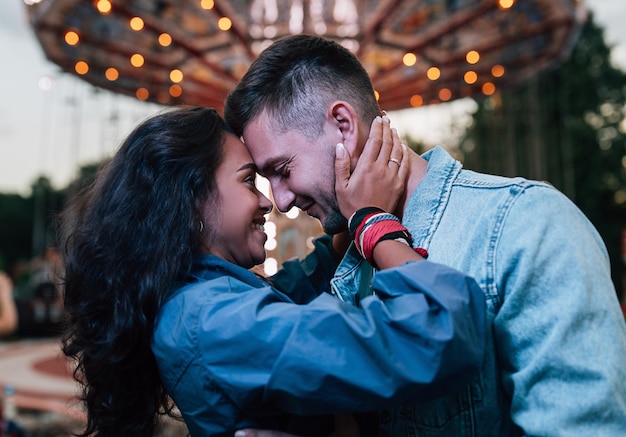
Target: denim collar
point(207, 267)
point(427, 202)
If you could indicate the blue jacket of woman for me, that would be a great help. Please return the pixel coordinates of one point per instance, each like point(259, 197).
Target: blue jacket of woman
point(234, 351)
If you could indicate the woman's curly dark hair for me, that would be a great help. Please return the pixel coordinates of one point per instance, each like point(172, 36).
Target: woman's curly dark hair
point(125, 241)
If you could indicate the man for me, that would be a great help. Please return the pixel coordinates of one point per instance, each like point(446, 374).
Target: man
point(556, 358)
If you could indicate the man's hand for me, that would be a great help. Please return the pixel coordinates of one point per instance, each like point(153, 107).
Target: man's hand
point(380, 175)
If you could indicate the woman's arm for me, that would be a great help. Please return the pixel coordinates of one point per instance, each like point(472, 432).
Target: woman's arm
point(420, 336)
point(8, 311)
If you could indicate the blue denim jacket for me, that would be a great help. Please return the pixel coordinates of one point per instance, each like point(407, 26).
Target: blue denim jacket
point(556, 345)
point(235, 352)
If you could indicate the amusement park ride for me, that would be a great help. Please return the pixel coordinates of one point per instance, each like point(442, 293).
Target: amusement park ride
point(417, 52)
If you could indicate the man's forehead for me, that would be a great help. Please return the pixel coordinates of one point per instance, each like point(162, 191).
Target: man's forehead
point(267, 145)
point(265, 152)
point(267, 162)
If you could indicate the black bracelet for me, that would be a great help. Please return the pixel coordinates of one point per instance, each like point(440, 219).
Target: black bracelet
point(398, 235)
point(358, 216)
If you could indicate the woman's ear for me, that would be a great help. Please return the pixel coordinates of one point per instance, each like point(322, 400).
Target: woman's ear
point(347, 121)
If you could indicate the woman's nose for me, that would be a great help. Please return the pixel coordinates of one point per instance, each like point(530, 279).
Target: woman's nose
point(265, 203)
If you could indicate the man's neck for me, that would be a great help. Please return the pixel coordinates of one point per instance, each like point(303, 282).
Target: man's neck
point(417, 171)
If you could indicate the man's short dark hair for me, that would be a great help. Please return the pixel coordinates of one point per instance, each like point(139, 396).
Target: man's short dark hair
point(295, 79)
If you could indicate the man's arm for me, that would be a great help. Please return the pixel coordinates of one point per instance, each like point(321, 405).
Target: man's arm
point(560, 334)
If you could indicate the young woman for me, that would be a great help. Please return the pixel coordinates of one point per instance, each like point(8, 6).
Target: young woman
point(162, 303)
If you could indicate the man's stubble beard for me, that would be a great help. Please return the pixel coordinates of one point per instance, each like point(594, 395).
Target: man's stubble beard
point(334, 222)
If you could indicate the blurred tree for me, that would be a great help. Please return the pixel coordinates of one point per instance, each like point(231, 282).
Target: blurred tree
point(27, 224)
point(86, 177)
point(47, 203)
point(416, 144)
point(567, 127)
point(16, 225)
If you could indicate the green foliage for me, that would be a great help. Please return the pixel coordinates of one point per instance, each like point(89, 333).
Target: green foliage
point(16, 218)
point(27, 223)
point(568, 127)
point(86, 177)
point(417, 145)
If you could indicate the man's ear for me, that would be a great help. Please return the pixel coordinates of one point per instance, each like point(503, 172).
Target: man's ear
point(347, 121)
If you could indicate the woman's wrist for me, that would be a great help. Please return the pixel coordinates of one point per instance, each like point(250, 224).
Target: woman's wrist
point(370, 226)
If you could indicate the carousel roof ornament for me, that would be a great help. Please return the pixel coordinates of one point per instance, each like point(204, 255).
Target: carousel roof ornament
point(417, 52)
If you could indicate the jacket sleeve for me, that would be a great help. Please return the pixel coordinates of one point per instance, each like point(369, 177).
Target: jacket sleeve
point(421, 335)
point(560, 333)
point(304, 279)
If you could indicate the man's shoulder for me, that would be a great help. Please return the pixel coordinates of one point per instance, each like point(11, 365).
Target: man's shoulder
point(472, 177)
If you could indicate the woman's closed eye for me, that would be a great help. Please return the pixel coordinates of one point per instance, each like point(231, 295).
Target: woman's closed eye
point(251, 179)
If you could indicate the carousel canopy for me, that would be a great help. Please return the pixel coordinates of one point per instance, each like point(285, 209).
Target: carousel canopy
point(416, 51)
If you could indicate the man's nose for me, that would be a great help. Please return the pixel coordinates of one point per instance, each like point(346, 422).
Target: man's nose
point(283, 197)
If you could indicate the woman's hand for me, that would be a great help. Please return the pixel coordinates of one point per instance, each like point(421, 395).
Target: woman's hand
point(380, 175)
point(379, 180)
point(345, 426)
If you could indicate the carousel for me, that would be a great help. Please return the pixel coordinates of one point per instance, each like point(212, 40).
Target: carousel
point(194, 51)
